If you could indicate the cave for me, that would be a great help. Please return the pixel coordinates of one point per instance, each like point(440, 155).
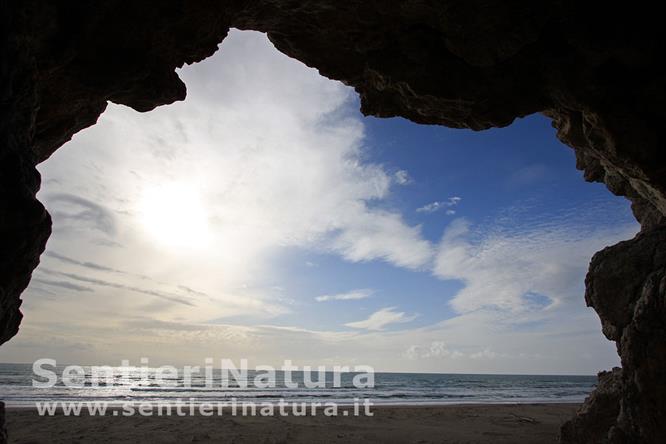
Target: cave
point(595, 69)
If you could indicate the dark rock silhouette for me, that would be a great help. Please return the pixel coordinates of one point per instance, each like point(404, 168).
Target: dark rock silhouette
point(599, 412)
point(3, 430)
point(595, 68)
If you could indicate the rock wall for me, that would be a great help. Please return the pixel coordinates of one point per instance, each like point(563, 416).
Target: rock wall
point(595, 68)
point(599, 413)
point(3, 429)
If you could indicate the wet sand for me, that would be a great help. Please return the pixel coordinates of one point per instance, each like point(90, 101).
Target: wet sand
point(506, 423)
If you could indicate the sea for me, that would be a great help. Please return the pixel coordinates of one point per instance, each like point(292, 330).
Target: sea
point(141, 386)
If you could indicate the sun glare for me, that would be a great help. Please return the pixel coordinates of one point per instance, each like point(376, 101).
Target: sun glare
point(174, 215)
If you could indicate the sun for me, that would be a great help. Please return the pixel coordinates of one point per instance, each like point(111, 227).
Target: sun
point(174, 215)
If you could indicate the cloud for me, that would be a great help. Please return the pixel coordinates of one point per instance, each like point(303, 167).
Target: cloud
point(103, 268)
point(438, 205)
point(119, 286)
point(402, 177)
point(62, 284)
point(85, 264)
point(75, 211)
point(431, 207)
point(440, 350)
point(362, 293)
point(436, 349)
point(276, 156)
point(383, 235)
point(522, 265)
point(143, 323)
point(382, 318)
point(486, 353)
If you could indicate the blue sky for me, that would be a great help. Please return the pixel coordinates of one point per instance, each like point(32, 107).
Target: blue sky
point(519, 169)
point(266, 218)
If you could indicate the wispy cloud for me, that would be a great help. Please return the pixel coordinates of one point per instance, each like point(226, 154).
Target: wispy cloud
point(519, 263)
point(382, 318)
point(94, 266)
point(144, 323)
point(281, 165)
point(402, 177)
point(362, 293)
point(86, 264)
point(62, 284)
point(436, 349)
point(75, 211)
point(487, 353)
point(385, 236)
point(439, 205)
point(120, 286)
point(440, 350)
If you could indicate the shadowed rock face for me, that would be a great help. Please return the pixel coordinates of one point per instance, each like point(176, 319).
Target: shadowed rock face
point(598, 414)
point(596, 69)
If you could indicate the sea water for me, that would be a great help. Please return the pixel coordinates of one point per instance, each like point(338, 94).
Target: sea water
point(17, 389)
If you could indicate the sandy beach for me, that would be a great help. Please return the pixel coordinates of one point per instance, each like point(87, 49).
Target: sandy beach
point(507, 423)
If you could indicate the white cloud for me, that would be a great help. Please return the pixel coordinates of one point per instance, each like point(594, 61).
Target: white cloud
point(263, 156)
point(508, 265)
point(436, 349)
point(431, 207)
point(521, 311)
point(362, 293)
point(566, 345)
point(402, 177)
point(440, 350)
point(486, 353)
point(438, 205)
point(382, 318)
point(378, 234)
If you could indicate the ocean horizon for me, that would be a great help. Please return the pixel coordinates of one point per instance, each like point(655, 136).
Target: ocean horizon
point(390, 388)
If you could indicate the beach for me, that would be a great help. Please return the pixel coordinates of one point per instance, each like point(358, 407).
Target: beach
point(490, 423)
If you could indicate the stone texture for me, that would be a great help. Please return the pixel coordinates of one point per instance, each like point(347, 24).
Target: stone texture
point(626, 285)
point(3, 429)
point(599, 412)
point(595, 68)
point(24, 223)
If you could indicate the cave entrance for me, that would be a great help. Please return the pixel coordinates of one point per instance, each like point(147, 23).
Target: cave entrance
point(265, 218)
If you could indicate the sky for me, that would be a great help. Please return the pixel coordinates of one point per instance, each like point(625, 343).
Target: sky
point(265, 218)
